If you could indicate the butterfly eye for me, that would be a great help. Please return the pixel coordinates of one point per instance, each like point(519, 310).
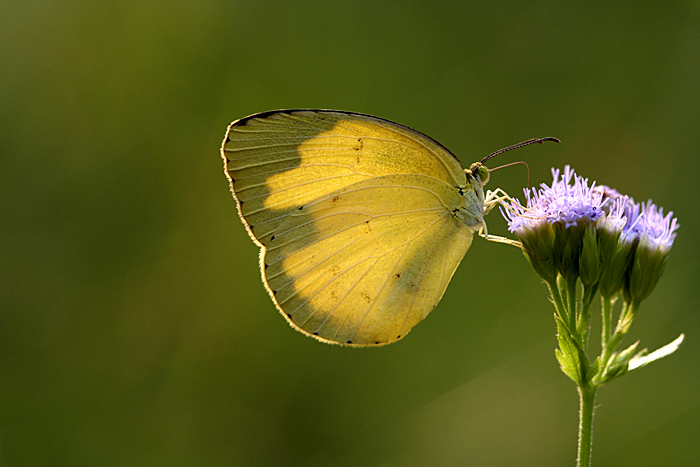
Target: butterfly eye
point(483, 173)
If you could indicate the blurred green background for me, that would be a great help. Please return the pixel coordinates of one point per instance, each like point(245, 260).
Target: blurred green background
point(134, 329)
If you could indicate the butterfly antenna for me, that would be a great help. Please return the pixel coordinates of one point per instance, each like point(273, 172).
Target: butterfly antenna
point(519, 145)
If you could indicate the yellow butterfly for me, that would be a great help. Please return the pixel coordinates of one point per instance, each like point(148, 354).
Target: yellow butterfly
point(361, 222)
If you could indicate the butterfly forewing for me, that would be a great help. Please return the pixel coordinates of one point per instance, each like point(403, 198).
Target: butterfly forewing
point(354, 216)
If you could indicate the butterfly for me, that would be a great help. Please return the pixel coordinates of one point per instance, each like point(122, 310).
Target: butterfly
point(361, 222)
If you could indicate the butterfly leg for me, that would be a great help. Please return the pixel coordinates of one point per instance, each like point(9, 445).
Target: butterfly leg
point(497, 239)
point(483, 233)
point(495, 198)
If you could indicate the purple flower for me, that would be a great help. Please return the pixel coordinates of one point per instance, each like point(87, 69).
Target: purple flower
point(626, 251)
point(614, 205)
point(564, 202)
point(647, 222)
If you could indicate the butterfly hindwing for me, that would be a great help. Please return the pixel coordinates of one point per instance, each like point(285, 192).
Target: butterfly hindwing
point(364, 264)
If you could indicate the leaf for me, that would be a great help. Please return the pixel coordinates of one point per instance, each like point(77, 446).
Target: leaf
point(618, 364)
point(569, 356)
point(642, 359)
point(593, 370)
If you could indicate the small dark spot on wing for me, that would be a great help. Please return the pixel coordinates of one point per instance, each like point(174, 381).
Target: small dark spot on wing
point(366, 296)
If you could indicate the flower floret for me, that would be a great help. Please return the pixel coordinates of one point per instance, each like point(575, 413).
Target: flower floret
point(647, 222)
point(567, 203)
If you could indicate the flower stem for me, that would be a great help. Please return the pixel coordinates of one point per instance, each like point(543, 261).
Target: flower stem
point(585, 427)
point(571, 295)
point(558, 302)
point(573, 311)
point(629, 310)
point(607, 346)
point(607, 304)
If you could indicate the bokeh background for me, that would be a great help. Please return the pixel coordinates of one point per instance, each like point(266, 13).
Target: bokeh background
point(134, 329)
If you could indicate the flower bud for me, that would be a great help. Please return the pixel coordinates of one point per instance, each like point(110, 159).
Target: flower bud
point(538, 248)
point(647, 268)
point(589, 262)
point(617, 265)
point(653, 235)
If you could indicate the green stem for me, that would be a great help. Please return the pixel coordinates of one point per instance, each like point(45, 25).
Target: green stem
point(606, 306)
point(585, 427)
point(573, 316)
point(585, 317)
point(558, 302)
point(606, 331)
point(629, 310)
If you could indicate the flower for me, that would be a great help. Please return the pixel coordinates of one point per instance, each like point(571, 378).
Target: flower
point(646, 237)
point(572, 231)
point(655, 234)
point(563, 202)
point(553, 223)
point(593, 233)
point(647, 222)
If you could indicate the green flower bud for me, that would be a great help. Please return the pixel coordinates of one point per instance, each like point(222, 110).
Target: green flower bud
point(617, 265)
point(538, 243)
point(647, 268)
point(653, 235)
point(589, 261)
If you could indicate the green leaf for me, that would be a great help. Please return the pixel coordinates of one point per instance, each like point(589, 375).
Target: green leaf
point(593, 370)
point(642, 359)
point(626, 354)
point(618, 364)
point(614, 371)
point(569, 355)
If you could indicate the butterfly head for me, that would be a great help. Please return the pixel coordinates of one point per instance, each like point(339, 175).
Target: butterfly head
point(478, 174)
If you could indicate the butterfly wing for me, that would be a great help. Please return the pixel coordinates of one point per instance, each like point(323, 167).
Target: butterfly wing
point(354, 217)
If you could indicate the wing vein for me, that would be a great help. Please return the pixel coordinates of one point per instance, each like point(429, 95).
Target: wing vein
point(386, 280)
